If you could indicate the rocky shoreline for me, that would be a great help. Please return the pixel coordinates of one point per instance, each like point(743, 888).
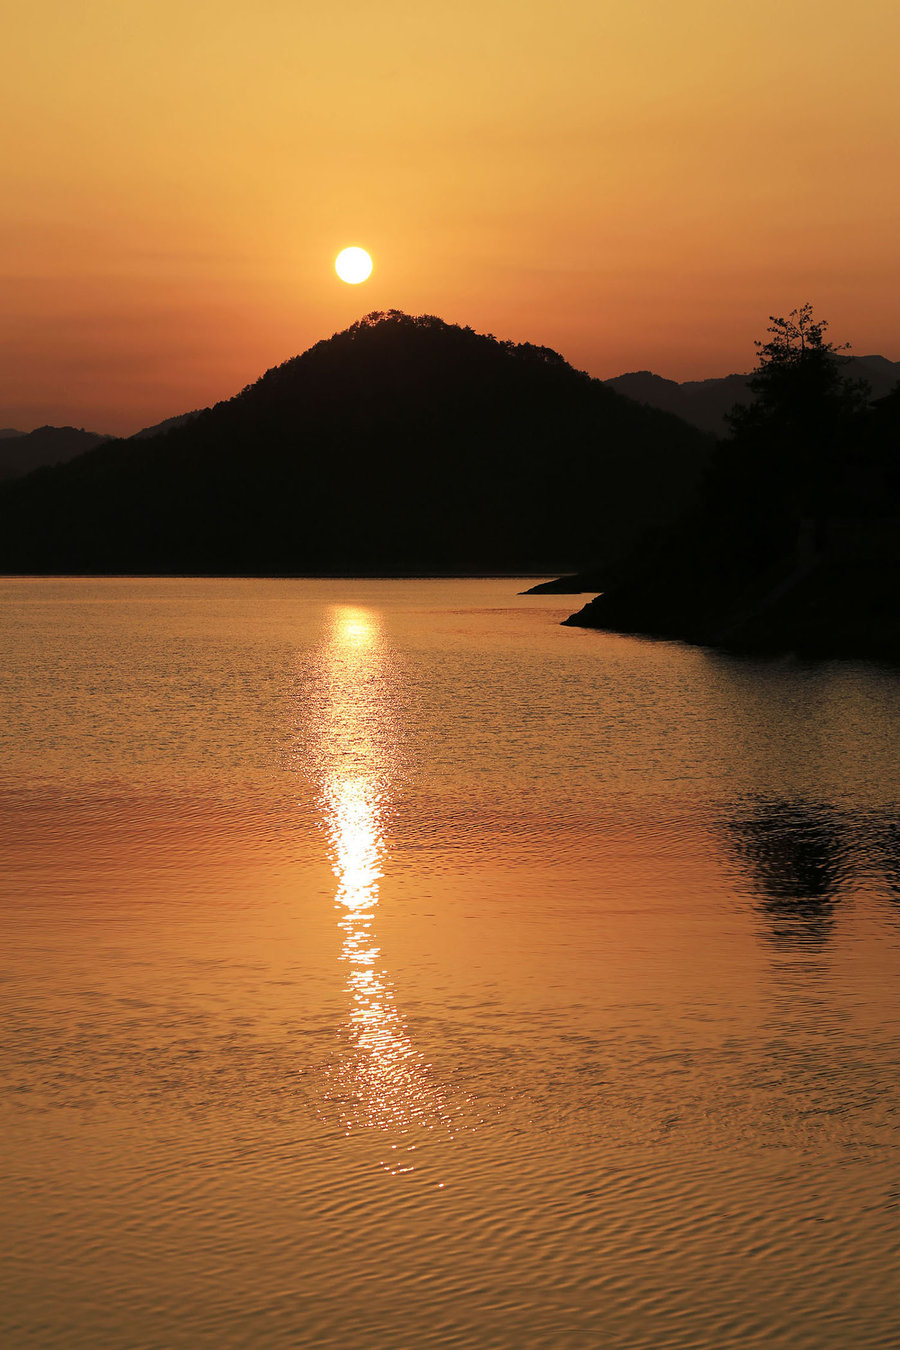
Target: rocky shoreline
point(835, 600)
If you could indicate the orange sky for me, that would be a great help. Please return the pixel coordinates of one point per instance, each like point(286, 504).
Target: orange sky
point(637, 183)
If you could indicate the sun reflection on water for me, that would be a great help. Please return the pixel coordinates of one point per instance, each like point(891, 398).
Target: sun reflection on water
point(383, 1081)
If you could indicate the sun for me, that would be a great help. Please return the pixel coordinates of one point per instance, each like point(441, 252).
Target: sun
point(353, 265)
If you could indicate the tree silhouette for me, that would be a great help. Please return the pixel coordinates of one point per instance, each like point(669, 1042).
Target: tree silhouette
point(805, 416)
point(791, 544)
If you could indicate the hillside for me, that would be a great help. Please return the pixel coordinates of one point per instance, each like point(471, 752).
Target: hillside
point(399, 445)
point(169, 424)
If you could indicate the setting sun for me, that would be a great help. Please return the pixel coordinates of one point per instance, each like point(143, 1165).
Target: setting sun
point(353, 265)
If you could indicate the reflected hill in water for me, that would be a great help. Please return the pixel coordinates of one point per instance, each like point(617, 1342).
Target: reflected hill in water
point(401, 445)
point(800, 858)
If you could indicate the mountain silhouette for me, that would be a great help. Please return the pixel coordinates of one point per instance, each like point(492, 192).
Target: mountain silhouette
point(399, 445)
point(22, 452)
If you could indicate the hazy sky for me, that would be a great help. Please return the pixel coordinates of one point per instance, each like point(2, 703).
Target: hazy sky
point(637, 183)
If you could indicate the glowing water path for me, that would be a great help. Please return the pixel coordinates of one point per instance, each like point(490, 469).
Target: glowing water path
point(384, 1081)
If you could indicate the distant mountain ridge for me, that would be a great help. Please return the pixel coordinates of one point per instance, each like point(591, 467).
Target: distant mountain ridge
point(401, 445)
point(22, 452)
point(704, 403)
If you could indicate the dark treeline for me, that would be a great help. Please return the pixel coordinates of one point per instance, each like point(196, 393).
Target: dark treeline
point(792, 543)
point(400, 445)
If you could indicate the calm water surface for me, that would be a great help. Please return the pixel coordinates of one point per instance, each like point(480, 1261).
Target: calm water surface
point(386, 967)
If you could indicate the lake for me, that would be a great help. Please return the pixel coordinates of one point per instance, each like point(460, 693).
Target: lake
point(386, 967)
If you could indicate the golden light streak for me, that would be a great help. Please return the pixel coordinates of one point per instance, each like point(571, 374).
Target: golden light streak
point(383, 1081)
